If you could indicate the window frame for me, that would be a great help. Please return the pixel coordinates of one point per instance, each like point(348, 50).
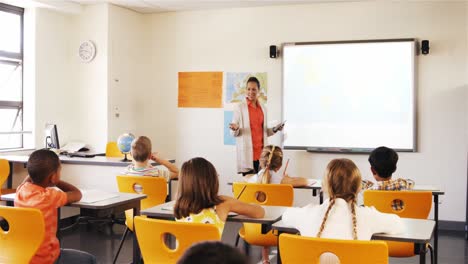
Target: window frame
point(15, 58)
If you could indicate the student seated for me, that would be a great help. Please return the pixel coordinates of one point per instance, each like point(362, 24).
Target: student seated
point(37, 191)
point(199, 201)
point(271, 160)
point(213, 252)
point(339, 217)
point(142, 156)
point(383, 163)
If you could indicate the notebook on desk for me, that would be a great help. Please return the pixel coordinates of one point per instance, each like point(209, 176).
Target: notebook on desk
point(81, 155)
point(92, 196)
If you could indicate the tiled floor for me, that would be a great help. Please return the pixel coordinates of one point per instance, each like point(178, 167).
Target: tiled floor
point(453, 248)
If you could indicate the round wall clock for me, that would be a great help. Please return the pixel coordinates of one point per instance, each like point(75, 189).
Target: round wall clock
point(87, 51)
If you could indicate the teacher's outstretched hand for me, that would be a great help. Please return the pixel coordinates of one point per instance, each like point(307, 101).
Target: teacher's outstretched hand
point(233, 126)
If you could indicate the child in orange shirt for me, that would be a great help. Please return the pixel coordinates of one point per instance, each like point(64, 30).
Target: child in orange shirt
point(36, 192)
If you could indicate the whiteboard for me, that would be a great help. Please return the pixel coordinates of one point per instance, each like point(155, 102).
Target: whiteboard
point(350, 96)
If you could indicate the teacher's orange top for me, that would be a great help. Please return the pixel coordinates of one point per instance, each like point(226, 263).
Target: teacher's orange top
point(256, 127)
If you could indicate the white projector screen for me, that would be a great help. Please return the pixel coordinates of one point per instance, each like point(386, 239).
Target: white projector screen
point(350, 96)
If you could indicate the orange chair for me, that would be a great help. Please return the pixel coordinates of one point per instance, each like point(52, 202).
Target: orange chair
point(4, 172)
point(154, 187)
point(299, 249)
point(25, 234)
point(151, 236)
point(112, 150)
point(416, 204)
point(275, 194)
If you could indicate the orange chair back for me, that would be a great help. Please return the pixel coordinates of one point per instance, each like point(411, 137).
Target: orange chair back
point(274, 194)
point(151, 236)
point(416, 204)
point(25, 234)
point(112, 150)
point(154, 187)
point(298, 249)
point(4, 172)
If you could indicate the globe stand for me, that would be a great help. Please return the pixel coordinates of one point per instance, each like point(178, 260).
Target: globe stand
point(125, 158)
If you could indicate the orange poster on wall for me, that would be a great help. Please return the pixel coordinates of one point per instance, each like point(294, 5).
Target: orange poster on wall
point(200, 89)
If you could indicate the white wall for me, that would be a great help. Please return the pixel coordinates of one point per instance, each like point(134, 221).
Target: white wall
point(238, 40)
point(128, 78)
point(70, 93)
point(91, 125)
point(55, 84)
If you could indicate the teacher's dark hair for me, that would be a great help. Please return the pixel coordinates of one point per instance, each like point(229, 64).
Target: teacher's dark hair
point(255, 80)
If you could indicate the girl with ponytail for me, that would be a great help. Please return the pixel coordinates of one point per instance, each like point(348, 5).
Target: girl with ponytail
point(339, 217)
point(271, 160)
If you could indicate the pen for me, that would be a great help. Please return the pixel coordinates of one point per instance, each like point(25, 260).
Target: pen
point(285, 168)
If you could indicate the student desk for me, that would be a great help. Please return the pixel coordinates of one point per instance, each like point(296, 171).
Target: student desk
point(272, 215)
point(417, 231)
point(124, 201)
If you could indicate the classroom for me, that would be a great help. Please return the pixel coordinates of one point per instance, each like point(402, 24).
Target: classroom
point(131, 85)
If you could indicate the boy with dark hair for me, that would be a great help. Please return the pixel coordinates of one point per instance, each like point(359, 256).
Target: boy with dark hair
point(383, 163)
point(37, 191)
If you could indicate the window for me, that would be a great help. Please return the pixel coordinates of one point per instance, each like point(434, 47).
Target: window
point(11, 77)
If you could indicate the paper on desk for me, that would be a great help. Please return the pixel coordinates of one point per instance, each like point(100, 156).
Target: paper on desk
point(73, 147)
point(311, 182)
point(92, 196)
point(171, 208)
point(7, 197)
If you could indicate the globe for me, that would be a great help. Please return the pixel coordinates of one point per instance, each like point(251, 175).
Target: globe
point(124, 143)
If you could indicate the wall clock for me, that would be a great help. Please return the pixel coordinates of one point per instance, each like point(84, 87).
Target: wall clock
point(87, 51)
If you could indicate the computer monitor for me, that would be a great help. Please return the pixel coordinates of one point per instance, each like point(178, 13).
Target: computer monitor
point(51, 136)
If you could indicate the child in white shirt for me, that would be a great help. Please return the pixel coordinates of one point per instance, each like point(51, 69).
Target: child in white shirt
point(339, 217)
point(271, 161)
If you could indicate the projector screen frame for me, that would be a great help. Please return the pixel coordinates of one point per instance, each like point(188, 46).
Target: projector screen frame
point(358, 150)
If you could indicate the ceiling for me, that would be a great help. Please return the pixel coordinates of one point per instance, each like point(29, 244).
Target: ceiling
point(158, 6)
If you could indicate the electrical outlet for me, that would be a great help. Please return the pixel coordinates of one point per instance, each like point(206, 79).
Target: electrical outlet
point(116, 112)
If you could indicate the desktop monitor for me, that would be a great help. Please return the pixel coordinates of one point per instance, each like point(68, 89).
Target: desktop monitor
point(51, 136)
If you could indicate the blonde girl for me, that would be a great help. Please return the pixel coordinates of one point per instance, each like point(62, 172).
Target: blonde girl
point(271, 161)
point(198, 199)
point(339, 217)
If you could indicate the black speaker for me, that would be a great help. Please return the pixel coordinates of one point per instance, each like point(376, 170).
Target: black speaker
point(425, 47)
point(273, 51)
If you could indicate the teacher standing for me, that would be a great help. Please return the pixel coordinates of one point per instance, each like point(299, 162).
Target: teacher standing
point(249, 128)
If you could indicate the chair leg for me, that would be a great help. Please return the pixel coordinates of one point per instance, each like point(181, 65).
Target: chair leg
point(431, 252)
point(246, 248)
point(121, 244)
point(237, 239)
